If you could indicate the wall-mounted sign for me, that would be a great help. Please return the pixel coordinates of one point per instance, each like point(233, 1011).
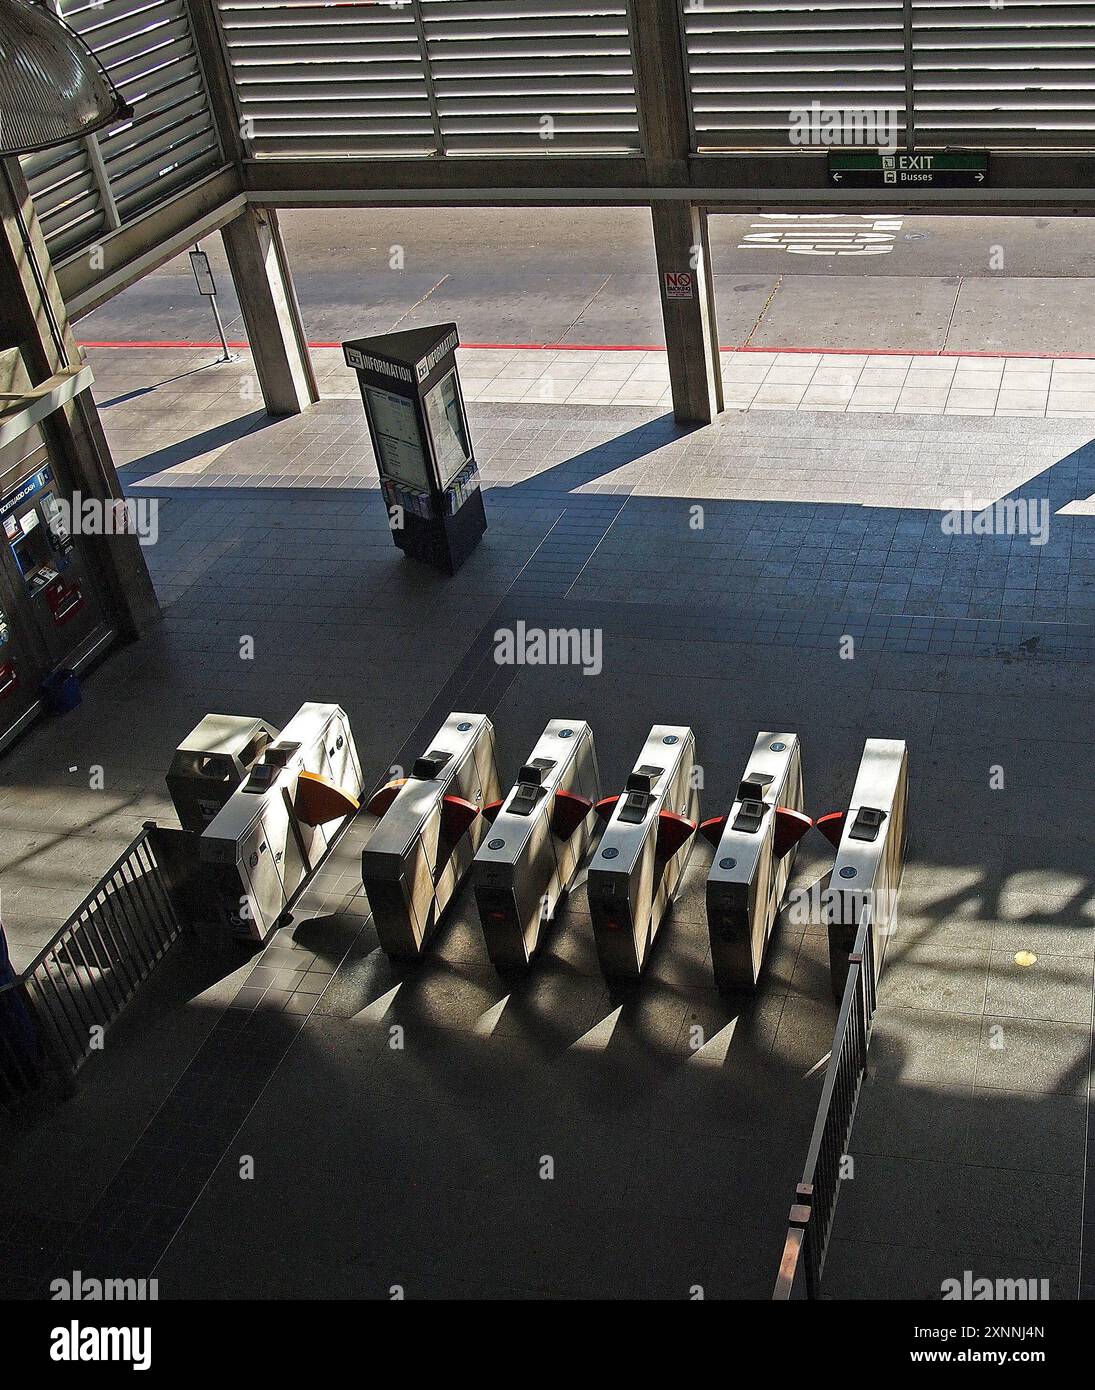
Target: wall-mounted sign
point(678, 284)
point(203, 275)
point(910, 170)
point(29, 488)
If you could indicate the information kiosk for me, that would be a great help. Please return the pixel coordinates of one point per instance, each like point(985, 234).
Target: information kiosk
point(410, 388)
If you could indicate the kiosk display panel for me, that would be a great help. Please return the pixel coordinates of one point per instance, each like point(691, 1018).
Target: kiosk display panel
point(446, 420)
point(395, 422)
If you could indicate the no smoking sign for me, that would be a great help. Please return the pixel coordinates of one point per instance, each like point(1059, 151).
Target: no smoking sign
point(678, 284)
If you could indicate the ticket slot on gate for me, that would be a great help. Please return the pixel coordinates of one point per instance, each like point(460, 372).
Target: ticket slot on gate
point(755, 847)
point(429, 826)
point(259, 849)
point(639, 862)
point(540, 833)
point(870, 840)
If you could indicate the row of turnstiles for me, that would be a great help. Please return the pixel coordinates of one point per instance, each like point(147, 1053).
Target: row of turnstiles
point(264, 810)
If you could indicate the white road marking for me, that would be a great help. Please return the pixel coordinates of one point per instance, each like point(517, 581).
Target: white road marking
point(822, 234)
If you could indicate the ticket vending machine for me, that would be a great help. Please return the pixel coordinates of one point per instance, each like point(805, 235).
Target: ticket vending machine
point(52, 612)
point(637, 868)
point(755, 848)
point(414, 406)
point(538, 838)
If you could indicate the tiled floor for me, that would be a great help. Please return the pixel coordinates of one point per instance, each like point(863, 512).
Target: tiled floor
point(194, 430)
point(725, 569)
point(844, 382)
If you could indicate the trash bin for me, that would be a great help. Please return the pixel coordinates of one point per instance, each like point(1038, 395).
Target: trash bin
point(61, 691)
point(212, 761)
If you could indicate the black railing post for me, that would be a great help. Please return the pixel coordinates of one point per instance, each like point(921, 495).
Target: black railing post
point(812, 1215)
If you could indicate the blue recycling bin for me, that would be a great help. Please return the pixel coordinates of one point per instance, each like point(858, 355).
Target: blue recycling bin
point(61, 691)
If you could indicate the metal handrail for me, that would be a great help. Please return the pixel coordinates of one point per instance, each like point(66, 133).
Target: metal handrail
point(79, 983)
point(814, 1209)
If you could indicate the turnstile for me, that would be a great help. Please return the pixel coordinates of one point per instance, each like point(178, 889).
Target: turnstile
point(211, 762)
point(755, 848)
point(429, 828)
point(274, 830)
point(870, 840)
point(638, 865)
point(538, 839)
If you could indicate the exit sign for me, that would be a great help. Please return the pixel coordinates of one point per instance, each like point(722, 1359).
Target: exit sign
point(909, 170)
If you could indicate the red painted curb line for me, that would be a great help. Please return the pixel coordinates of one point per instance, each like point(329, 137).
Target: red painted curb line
point(649, 347)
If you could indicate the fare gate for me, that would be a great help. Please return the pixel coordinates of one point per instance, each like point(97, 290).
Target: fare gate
point(273, 831)
point(870, 839)
point(755, 847)
point(539, 837)
point(429, 826)
point(638, 866)
point(258, 810)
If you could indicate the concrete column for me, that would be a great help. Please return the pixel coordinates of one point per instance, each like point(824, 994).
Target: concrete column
point(264, 288)
point(684, 282)
point(33, 318)
point(680, 230)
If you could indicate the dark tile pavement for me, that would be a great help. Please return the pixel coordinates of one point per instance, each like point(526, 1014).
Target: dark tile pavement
point(420, 1165)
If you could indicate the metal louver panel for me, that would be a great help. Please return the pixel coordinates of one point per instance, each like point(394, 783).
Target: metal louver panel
point(432, 76)
point(1016, 74)
point(66, 197)
point(321, 79)
point(87, 188)
point(532, 75)
point(148, 49)
point(750, 64)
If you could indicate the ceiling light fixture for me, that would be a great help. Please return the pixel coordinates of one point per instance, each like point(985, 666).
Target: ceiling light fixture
point(52, 87)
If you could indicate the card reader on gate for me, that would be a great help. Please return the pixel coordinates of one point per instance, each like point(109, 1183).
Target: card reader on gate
point(427, 767)
point(750, 816)
point(867, 823)
point(530, 789)
point(261, 778)
point(638, 790)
